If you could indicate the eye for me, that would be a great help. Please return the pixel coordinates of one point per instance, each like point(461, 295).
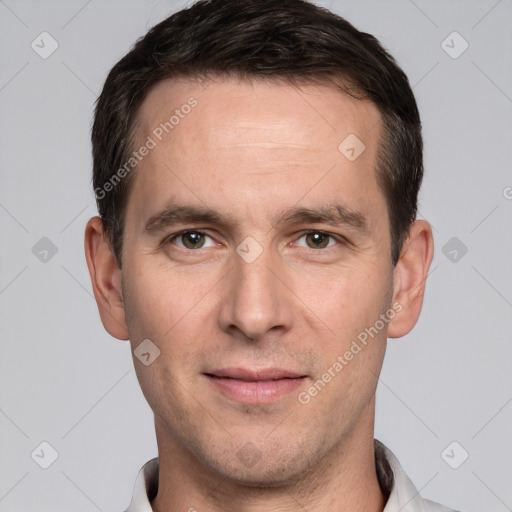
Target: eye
point(191, 240)
point(317, 240)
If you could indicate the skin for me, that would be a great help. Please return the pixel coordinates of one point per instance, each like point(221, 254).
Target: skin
point(250, 152)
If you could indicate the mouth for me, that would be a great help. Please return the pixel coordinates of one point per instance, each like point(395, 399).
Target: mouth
point(255, 387)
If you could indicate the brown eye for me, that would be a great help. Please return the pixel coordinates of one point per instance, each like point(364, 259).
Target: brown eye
point(192, 239)
point(317, 240)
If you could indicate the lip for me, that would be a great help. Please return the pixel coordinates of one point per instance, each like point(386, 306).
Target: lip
point(255, 386)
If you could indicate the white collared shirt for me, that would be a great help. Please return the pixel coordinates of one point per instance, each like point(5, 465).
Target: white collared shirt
point(403, 496)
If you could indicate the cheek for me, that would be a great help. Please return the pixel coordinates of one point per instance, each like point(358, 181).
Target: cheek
point(172, 311)
point(349, 299)
point(156, 312)
point(160, 299)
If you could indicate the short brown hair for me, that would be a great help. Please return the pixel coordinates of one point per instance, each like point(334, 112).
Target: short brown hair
point(291, 40)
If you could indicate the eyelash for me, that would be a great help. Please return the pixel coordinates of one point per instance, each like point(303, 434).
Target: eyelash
point(337, 238)
point(332, 238)
point(170, 238)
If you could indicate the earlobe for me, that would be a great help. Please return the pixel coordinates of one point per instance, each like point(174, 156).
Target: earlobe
point(105, 279)
point(409, 278)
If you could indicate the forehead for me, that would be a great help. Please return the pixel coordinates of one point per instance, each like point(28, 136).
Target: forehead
point(257, 145)
point(318, 114)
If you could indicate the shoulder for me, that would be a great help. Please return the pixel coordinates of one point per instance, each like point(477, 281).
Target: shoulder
point(431, 506)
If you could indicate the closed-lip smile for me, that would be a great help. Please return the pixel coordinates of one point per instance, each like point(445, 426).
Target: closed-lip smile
point(255, 386)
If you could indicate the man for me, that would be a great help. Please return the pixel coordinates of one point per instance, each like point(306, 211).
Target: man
point(256, 168)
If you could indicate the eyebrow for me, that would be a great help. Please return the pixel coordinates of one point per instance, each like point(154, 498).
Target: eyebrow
point(174, 214)
point(333, 214)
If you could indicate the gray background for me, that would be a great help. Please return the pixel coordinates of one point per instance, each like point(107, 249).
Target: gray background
point(65, 381)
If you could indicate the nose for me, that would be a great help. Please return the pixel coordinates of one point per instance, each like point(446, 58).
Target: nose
point(257, 299)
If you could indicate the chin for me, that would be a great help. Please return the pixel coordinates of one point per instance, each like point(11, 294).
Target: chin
point(272, 467)
point(266, 476)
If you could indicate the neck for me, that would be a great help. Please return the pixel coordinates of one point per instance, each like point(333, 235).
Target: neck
point(344, 480)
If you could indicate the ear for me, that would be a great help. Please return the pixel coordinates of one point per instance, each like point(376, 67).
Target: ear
point(409, 276)
point(105, 278)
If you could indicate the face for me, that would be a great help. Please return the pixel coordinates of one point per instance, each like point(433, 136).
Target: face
point(256, 255)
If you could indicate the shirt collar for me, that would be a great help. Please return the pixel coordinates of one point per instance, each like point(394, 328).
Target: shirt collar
point(403, 496)
point(146, 487)
point(401, 492)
